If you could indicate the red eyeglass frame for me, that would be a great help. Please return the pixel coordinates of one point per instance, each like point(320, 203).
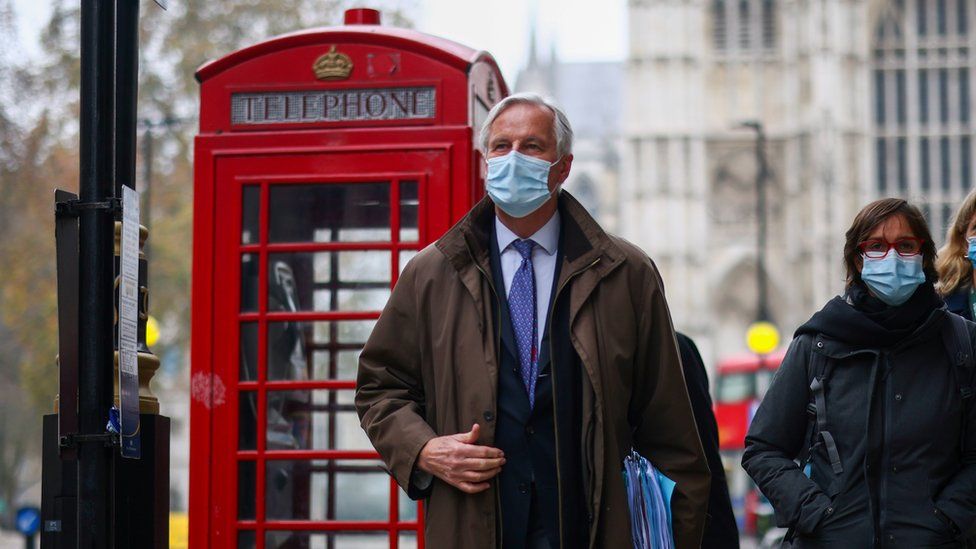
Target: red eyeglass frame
point(891, 246)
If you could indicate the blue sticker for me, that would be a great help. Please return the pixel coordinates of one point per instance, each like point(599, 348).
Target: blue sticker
point(28, 520)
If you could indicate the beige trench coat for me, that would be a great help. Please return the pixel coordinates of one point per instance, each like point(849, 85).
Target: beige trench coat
point(430, 368)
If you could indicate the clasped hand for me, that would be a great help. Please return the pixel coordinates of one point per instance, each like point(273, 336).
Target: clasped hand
point(460, 462)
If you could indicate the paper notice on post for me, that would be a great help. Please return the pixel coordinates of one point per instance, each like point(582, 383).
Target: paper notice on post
point(129, 325)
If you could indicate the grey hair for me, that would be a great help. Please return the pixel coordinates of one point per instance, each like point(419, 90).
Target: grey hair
point(561, 127)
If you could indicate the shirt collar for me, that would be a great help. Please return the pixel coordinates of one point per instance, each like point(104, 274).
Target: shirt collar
point(547, 237)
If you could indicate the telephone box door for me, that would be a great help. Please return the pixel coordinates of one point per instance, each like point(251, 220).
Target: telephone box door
point(321, 241)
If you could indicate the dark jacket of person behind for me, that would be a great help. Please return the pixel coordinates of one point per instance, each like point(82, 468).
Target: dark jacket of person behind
point(720, 529)
point(956, 259)
point(894, 463)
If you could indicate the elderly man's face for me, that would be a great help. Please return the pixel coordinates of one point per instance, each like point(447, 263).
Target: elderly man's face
point(528, 129)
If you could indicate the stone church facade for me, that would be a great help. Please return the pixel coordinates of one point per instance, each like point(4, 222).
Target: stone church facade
point(858, 99)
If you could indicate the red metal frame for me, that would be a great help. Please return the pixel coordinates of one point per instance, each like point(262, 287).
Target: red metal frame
point(439, 154)
point(262, 455)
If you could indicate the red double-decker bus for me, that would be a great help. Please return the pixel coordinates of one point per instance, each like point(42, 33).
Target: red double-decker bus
point(740, 383)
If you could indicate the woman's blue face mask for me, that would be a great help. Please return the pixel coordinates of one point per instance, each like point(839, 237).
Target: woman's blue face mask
point(518, 183)
point(971, 254)
point(893, 278)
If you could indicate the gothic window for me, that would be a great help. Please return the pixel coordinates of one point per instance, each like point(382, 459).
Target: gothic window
point(922, 103)
point(768, 24)
point(719, 25)
point(965, 162)
point(920, 16)
point(879, 97)
point(962, 17)
point(923, 149)
point(900, 96)
point(946, 165)
point(941, 16)
point(944, 96)
point(923, 96)
point(743, 27)
point(902, 165)
point(882, 168)
point(964, 95)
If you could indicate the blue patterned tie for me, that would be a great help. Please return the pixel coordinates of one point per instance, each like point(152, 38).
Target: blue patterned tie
point(522, 308)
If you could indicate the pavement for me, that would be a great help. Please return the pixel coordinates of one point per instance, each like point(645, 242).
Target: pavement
point(10, 539)
point(13, 540)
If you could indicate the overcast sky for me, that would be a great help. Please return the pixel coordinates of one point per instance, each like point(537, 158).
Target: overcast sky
point(578, 30)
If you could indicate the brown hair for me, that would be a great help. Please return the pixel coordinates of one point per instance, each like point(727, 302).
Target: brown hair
point(873, 215)
point(955, 269)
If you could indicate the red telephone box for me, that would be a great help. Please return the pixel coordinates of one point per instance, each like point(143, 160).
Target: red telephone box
point(326, 159)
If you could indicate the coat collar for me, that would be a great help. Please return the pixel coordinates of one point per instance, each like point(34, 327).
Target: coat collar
point(582, 240)
point(929, 329)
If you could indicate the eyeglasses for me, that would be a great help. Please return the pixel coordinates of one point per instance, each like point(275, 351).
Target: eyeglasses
point(877, 248)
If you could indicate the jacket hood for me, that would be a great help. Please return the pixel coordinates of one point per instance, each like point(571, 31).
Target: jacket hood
point(860, 320)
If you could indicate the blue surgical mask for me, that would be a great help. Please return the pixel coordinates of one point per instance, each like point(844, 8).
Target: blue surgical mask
point(972, 251)
point(893, 278)
point(517, 183)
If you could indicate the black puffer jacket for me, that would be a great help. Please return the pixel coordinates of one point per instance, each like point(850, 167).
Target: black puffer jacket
point(894, 408)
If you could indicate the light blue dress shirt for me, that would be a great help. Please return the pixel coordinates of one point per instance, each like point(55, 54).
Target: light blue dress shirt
point(543, 264)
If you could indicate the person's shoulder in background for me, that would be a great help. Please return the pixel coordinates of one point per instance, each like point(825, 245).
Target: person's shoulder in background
point(721, 531)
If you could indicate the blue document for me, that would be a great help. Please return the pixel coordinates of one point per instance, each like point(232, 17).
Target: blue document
point(649, 497)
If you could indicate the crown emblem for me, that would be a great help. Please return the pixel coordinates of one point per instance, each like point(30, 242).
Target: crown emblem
point(332, 66)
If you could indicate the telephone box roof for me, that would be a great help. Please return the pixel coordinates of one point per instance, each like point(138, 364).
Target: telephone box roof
point(440, 49)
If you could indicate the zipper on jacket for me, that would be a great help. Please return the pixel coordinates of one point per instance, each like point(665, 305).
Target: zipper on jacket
point(498, 342)
point(552, 377)
point(885, 447)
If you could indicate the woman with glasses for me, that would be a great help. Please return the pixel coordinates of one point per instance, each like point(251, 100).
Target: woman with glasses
point(956, 260)
point(866, 436)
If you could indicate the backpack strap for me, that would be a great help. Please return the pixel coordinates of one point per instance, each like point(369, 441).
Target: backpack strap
point(818, 388)
point(817, 411)
point(959, 346)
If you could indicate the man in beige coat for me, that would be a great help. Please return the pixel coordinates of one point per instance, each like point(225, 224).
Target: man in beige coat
point(521, 357)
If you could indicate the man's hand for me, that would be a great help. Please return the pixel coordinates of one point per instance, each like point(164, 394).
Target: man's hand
point(458, 461)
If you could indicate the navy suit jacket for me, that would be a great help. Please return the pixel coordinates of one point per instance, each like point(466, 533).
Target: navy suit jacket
point(528, 435)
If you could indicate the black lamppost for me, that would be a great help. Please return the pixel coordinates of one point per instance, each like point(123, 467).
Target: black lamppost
point(88, 490)
point(762, 336)
point(762, 175)
point(149, 126)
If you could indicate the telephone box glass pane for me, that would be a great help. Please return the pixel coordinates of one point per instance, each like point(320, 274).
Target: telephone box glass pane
point(249, 351)
point(409, 204)
point(287, 357)
point(329, 281)
point(246, 499)
point(314, 420)
point(408, 540)
point(320, 490)
point(246, 540)
point(247, 423)
point(408, 507)
point(329, 212)
point(249, 283)
point(405, 257)
point(316, 350)
point(250, 218)
point(327, 540)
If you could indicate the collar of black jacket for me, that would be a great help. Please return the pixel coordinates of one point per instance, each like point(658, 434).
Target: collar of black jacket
point(582, 240)
point(841, 328)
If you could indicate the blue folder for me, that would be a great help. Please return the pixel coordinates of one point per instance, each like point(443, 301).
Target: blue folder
point(649, 497)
